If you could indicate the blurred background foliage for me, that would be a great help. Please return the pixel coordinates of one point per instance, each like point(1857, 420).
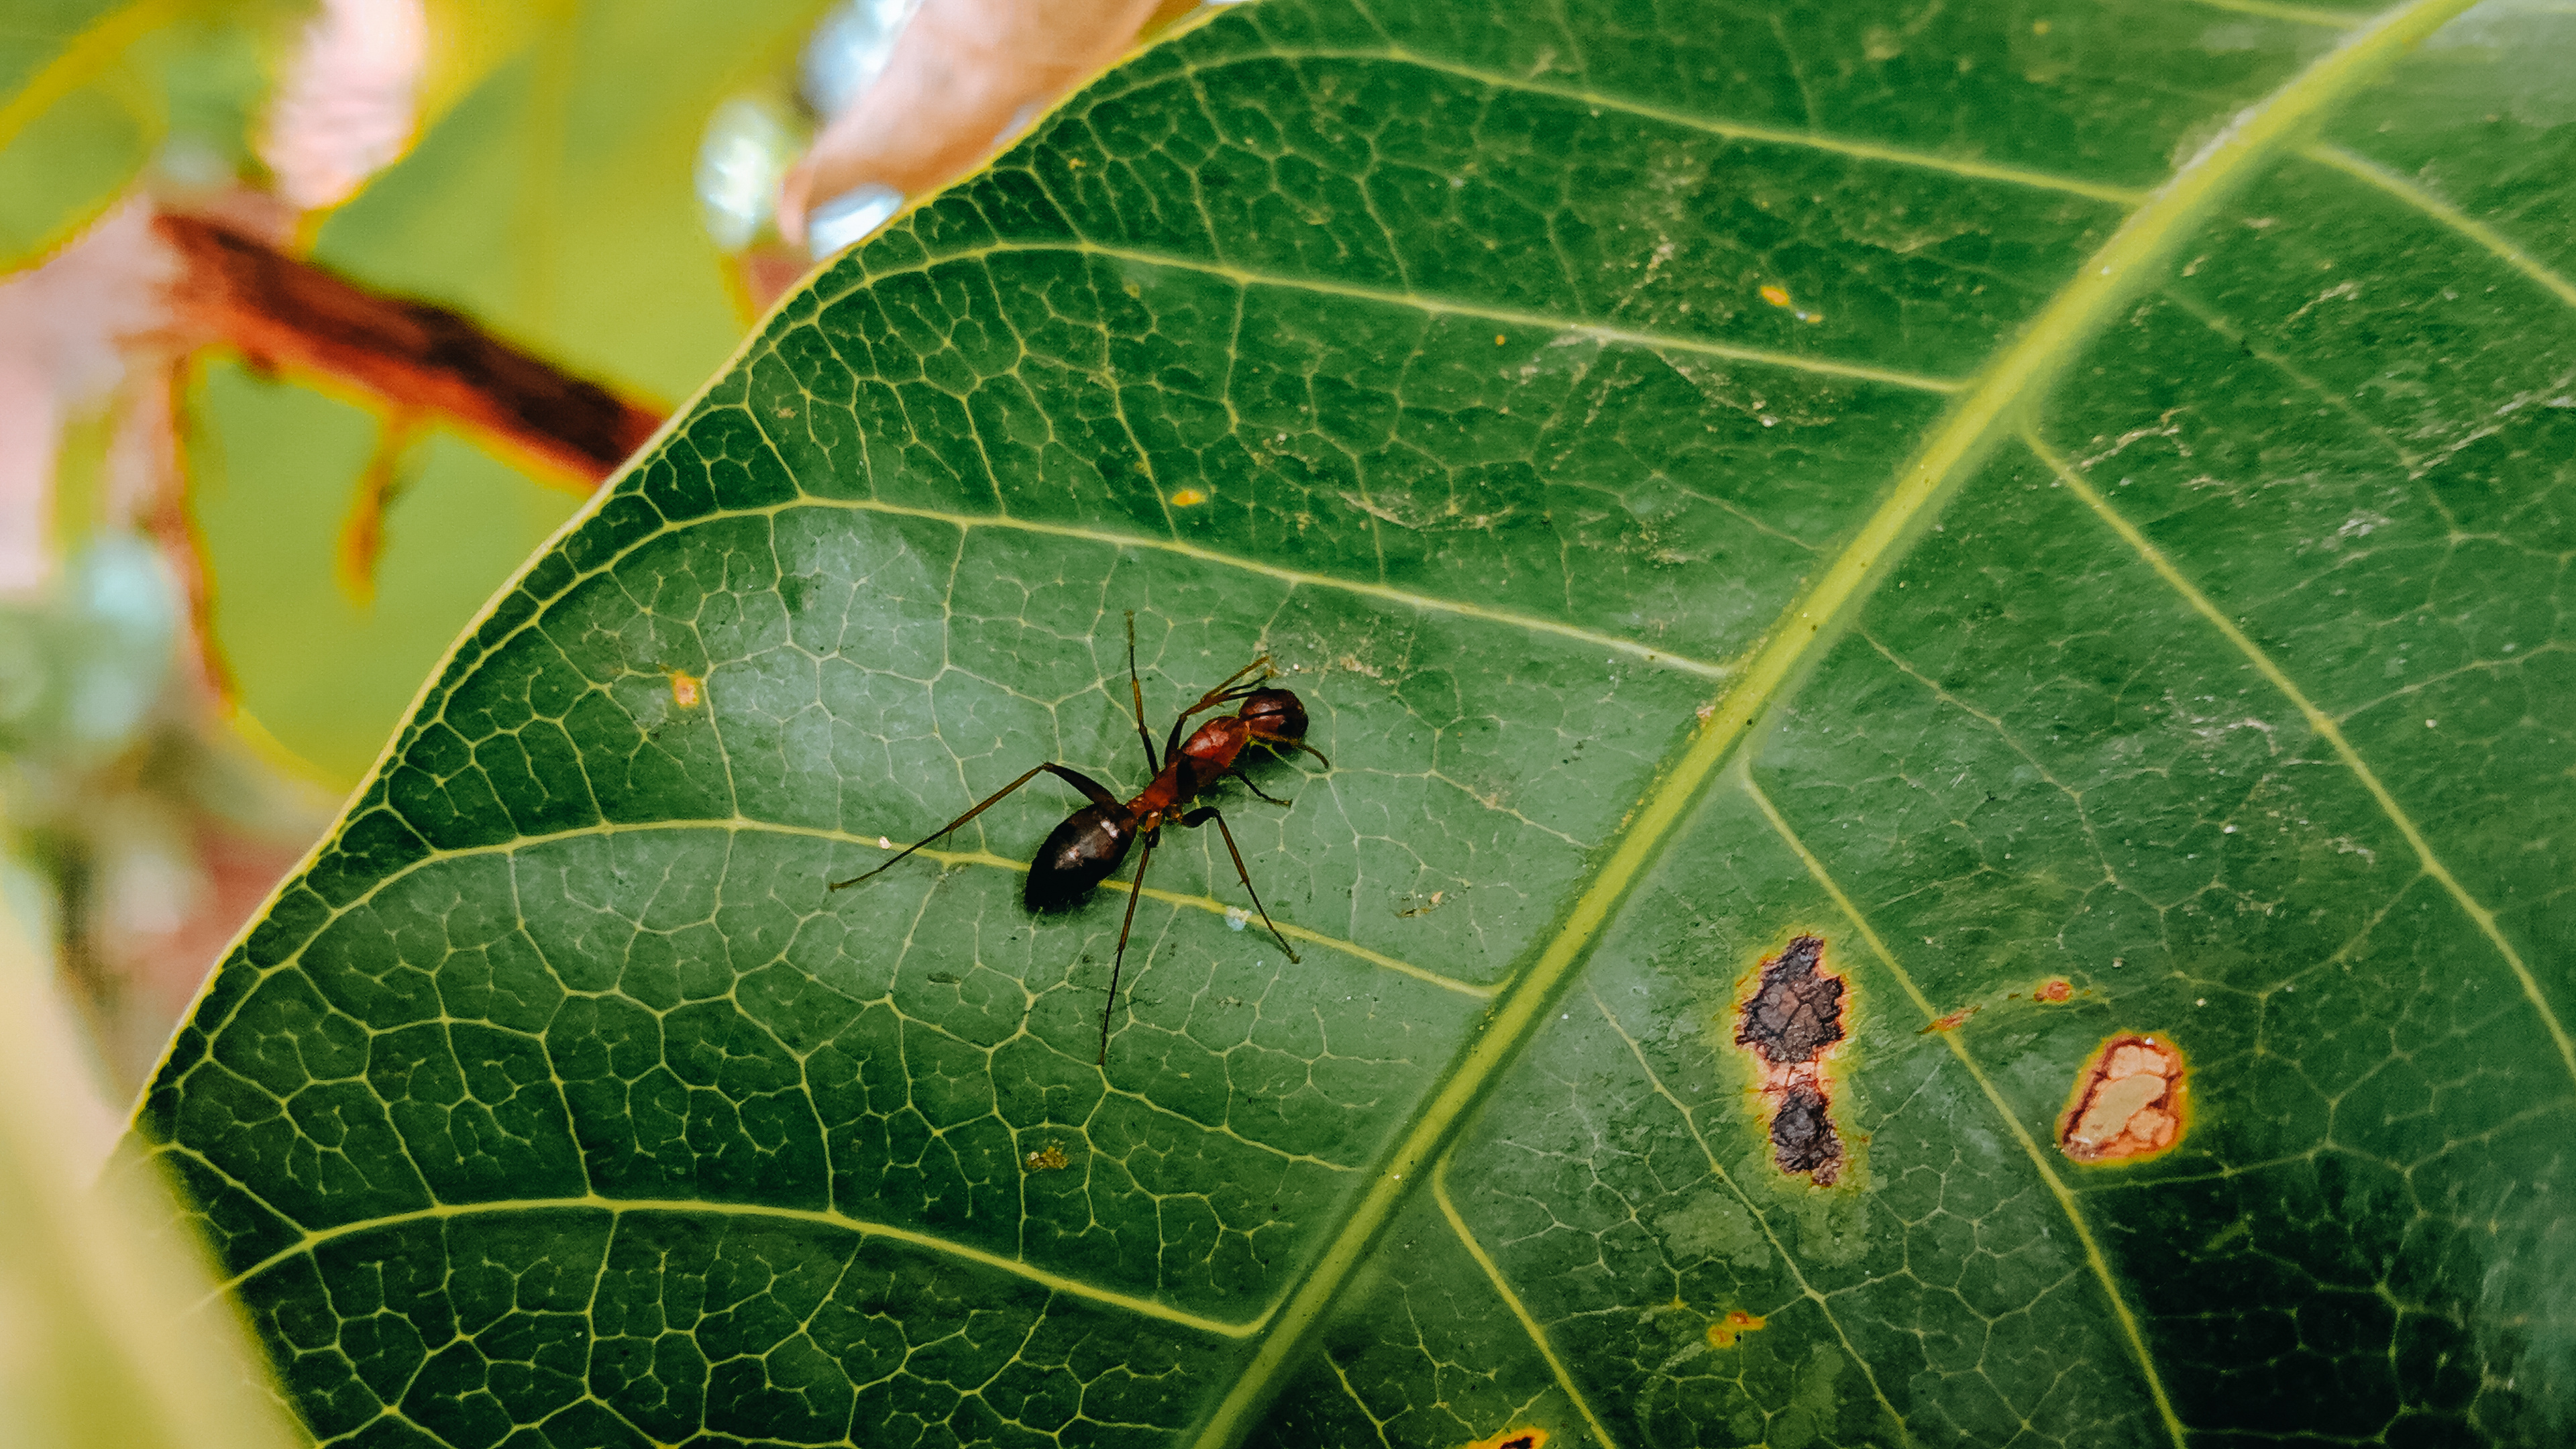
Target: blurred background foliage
point(248, 499)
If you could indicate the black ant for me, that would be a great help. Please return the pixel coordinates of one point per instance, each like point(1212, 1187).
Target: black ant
point(1094, 839)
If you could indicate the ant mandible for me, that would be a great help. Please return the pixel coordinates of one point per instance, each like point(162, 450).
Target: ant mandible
point(1094, 839)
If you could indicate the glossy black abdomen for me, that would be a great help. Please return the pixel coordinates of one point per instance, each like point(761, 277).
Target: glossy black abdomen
point(1079, 855)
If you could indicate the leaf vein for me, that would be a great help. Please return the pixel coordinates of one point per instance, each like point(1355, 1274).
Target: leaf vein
point(2362, 168)
point(1805, 140)
point(1512, 1300)
point(1439, 306)
point(1055, 1282)
point(945, 858)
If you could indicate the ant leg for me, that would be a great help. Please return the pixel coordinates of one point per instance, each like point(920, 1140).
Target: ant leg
point(1224, 694)
point(1256, 789)
point(1135, 893)
point(1226, 687)
point(1277, 745)
point(1208, 813)
point(1090, 787)
point(1136, 689)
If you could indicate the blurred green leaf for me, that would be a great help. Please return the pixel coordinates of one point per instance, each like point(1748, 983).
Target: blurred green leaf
point(75, 126)
point(1979, 485)
point(554, 202)
point(89, 92)
point(109, 1333)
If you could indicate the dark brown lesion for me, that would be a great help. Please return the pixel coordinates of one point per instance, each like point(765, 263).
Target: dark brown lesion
point(1792, 1019)
point(1797, 1010)
point(1803, 1137)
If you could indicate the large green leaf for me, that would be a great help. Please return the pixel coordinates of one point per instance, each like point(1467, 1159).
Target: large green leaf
point(2123, 544)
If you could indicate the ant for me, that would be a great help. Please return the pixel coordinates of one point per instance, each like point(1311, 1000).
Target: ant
point(1088, 846)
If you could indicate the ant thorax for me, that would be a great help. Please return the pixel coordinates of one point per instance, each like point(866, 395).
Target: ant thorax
point(1212, 747)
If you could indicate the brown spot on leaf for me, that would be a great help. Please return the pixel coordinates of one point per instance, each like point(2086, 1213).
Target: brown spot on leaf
point(2128, 1102)
point(685, 690)
point(1802, 1135)
point(2055, 989)
point(1796, 1010)
point(1049, 1158)
point(1725, 1331)
point(1792, 1019)
point(1952, 1022)
point(1524, 1438)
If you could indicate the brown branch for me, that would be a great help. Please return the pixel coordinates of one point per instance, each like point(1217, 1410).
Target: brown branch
point(285, 313)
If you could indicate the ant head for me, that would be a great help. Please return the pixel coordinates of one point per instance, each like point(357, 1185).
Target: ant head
point(1274, 714)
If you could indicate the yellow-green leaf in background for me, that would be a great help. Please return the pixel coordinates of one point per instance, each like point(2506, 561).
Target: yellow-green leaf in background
point(554, 202)
point(89, 92)
point(2064, 503)
point(274, 468)
point(74, 126)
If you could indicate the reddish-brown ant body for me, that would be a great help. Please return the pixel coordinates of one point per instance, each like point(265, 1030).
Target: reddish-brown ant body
point(1088, 846)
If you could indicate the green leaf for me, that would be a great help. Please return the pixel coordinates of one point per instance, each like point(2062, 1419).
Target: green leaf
point(2021, 493)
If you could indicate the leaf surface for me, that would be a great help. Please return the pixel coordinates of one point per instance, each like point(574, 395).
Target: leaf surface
point(2061, 494)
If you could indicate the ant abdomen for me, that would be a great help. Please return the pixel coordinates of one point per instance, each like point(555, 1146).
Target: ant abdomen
point(1079, 855)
